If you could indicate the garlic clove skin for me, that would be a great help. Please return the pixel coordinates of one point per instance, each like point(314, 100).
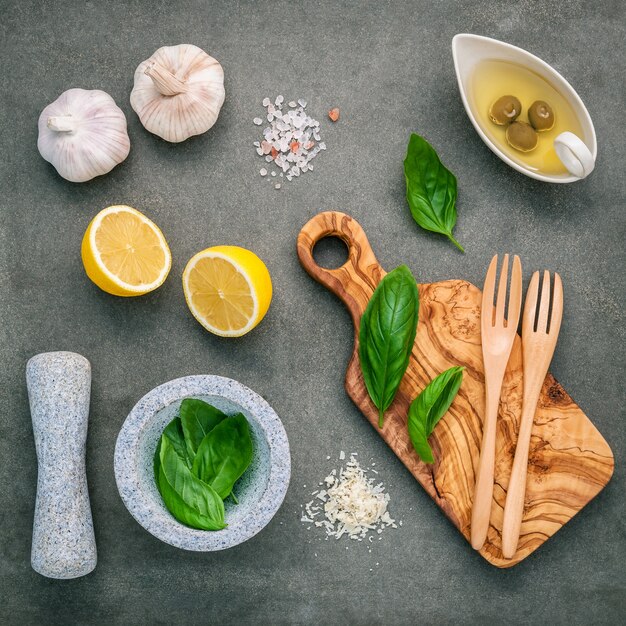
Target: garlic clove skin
point(83, 134)
point(178, 92)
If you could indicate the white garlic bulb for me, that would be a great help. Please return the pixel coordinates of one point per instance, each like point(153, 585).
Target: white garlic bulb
point(178, 92)
point(83, 134)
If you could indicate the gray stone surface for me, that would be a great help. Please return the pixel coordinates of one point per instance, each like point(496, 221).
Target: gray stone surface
point(59, 386)
point(388, 66)
point(260, 490)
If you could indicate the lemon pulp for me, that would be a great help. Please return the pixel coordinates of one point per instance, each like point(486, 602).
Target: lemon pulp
point(228, 289)
point(125, 253)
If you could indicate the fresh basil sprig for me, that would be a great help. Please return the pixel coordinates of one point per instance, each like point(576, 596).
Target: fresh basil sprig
point(429, 407)
point(386, 336)
point(430, 189)
point(199, 458)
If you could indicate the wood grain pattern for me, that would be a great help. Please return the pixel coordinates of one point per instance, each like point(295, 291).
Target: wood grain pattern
point(569, 460)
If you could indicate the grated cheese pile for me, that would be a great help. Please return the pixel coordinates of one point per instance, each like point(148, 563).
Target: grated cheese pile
point(351, 504)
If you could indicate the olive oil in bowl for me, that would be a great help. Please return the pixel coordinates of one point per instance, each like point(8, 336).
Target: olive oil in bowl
point(492, 79)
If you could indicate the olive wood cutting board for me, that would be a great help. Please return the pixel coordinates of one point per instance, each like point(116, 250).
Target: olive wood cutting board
point(569, 460)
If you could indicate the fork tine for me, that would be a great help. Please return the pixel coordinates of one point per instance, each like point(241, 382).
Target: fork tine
point(488, 291)
point(530, 306)
point(544, 304)
point(515, 295)
point(502, 284)
point(557, 305)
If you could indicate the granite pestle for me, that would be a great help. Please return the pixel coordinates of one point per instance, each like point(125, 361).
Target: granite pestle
point(59, 386)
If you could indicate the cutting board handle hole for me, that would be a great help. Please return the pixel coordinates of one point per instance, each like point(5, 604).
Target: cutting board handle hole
point(330, 252)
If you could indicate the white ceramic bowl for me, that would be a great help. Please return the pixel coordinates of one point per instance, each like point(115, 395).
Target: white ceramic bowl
point(578, 156)
point(260, 490)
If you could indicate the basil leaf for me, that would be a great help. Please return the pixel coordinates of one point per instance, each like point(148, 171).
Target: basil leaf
point(201, 498)
point(430, 189)
point(224, 454)
point(419, 439)
point(386, 336)
point(429, 407)
point(180, 510)
point(198, 419)
point(174, 432)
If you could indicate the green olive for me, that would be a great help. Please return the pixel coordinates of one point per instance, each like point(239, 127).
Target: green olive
point(504, 110)
point(541, 116)
point(521, 136)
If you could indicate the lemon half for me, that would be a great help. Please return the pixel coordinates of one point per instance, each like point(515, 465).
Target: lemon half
point(228, 289)
point(124, 252)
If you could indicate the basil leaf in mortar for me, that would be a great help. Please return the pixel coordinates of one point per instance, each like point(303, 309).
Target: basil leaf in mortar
point(429, 407)
point(198, 419)
point(386, 336)
point(224, 454)
point(174, 432)
point(204, 502)
point(180, 510)
point(430, 189)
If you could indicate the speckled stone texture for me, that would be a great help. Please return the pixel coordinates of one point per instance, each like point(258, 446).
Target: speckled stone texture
point(59, 387)
point(260, 490)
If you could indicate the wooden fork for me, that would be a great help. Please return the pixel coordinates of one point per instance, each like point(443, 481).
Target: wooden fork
point(497, 335)
point(537, 351)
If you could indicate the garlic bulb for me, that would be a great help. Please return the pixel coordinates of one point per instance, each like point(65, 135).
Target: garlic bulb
point(178, 92)
point(83, 134)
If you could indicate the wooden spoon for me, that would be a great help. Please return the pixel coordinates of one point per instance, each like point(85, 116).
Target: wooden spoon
point(538, 343)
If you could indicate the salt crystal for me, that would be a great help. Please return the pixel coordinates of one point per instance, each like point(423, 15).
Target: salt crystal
point(263, 171)
point(258, 121)
point(291, 139)
point(277, 186)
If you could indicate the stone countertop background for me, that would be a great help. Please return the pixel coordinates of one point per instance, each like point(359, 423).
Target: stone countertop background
point(388, 66)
